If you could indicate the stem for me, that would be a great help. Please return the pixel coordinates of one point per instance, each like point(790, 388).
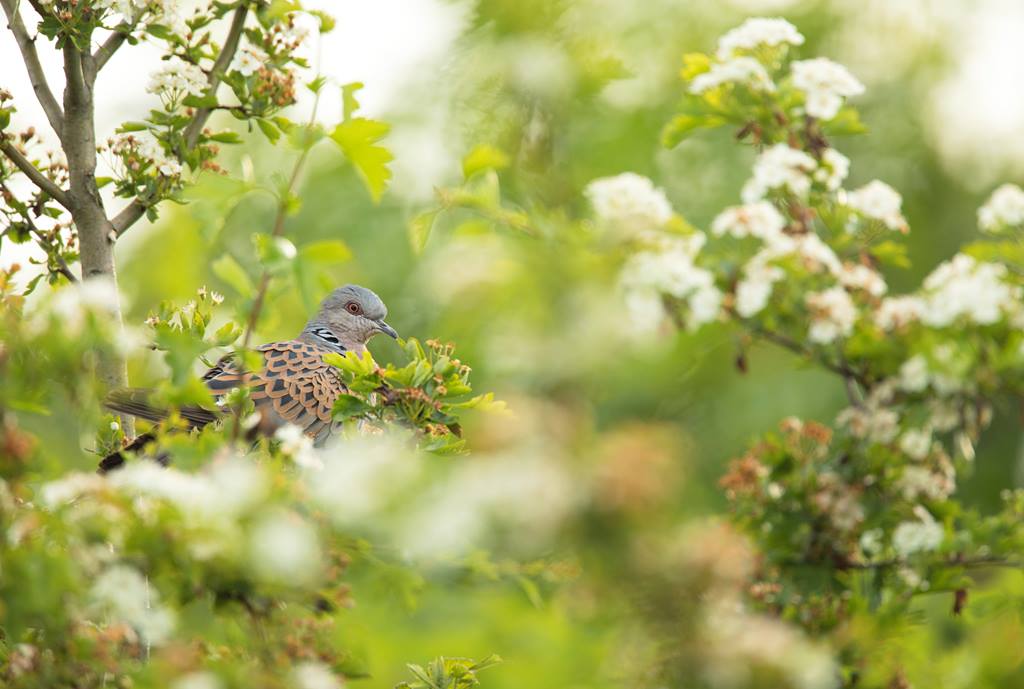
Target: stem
point(35, 70)
point(33, 173)
point(849, 375)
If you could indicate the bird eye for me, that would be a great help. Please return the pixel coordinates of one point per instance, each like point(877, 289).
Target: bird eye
point(354, 308)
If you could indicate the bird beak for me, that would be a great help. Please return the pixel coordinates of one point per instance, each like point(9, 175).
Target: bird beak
point(386, 329)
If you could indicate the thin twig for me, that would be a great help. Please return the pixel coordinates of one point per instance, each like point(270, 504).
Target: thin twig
point(44, 242)
point(44, 183)
point(783, 341)
point(114, 41)
point(957, 561)
point(35, 69)
point(131, 213)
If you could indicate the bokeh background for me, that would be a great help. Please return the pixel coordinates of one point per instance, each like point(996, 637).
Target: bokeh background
point(614, 444)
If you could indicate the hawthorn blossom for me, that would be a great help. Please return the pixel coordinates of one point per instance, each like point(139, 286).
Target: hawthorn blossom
point(738, 70)
point(629, 203)
point(125, 594)
point(897, 312)
point(780, 168)
point(922, 535)
point(916, 443)
point(825, 84)
point(918, 481)
point(833, 170)
point(878, 201)
point(314, 675)
point(965, 287)
point(833, 315)
point(861, 277)
point(248, 60)
point(914, 374)
point(753, 291)
point(298, 446)
point(1004, 208)
point(670, 270)
point(284, 548)
point(756, 32)
point(759, 219)
point(176, 79)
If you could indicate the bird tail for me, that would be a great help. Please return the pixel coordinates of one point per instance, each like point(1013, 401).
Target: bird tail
point(136, 402)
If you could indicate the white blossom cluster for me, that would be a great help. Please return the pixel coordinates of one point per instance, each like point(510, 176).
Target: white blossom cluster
point(919, 536)
point(757, 32)
point(895, 313)
point(833, 315)
point(780, 167)
point(833, 169)
point(124, 594)
point(825, 83)
point(965, 287)
point(142, 146)
point(873, 420)
point(856, 276)
point(759, 219)
point(878, 201)
point(628, 204)
point(177, 79)
point(1004, 208)
point(738, 70)
point(248, 60)
point(669, 269)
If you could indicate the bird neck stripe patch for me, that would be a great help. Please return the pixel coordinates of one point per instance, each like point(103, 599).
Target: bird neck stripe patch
point(327, 336)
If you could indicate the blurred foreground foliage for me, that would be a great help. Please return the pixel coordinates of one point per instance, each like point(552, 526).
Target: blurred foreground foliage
point(580, 535)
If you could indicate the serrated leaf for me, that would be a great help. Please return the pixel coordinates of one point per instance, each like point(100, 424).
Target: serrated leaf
point(358, 139)
point(226, 137)
point(348, 406)
point(846, 122)
point(269, 130)
point(694, 64)
point(348, 99)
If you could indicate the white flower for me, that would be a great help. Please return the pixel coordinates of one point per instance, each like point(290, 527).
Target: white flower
point(197, 680)
point(825, 83)
point(914, 375)
point(1005, 207)
point(284, 548)
point(225, 490)
point(670, 270)
point(916, 443)
point(753, 291)
point(629, 203)
point(313, 675)
point(878, 201)
point(298, 446)
point(248, 60)
point(871, 542)
point(176, 79)
point(760, 219)
point(835, 167)
point(64, 490)
point(780, 167)
point(738, 70)
point(833, 315)
point(896, 312)
point(917, 536)
point(963, 286)
point(169, 168)
point(857, 276)
point(125, 594)
point(755, 32)
point(96, 296)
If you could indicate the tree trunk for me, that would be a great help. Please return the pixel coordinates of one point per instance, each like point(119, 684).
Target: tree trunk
point(95, 232)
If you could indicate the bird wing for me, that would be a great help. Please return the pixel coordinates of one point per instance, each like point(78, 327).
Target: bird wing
point(296, 385)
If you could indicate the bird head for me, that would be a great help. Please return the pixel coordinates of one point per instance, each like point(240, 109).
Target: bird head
point(354, 314)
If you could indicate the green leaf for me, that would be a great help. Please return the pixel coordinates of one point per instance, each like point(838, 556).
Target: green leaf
point(892, 253)
point(348, 99)
point(348, 406)
point(682, 125)
point(846, 122)
point(484, 157)
point(358, 139)
point(327, 251)
point(420, 227)
point(269, 130)
point(132, 127)
point(226, 137)
point(208, 101)
point(229, 270)
point(694, 64)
